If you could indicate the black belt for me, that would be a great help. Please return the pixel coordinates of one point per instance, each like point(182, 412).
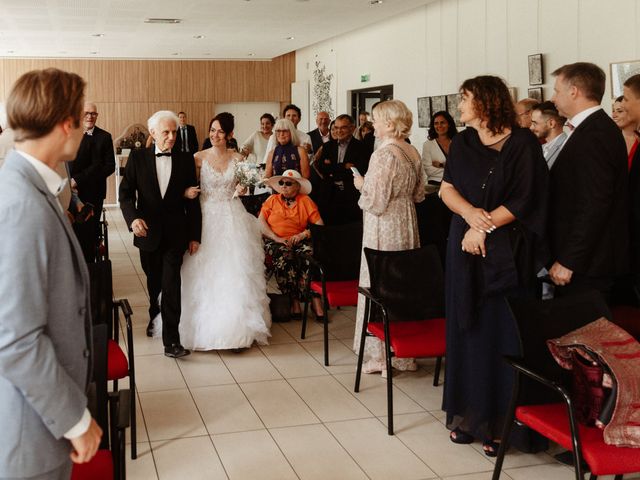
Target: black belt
point(433, 182)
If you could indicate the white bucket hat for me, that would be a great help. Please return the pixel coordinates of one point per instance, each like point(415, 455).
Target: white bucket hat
point(305, 185)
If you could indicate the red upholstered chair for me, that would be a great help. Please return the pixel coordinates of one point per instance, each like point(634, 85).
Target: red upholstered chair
point(334, 270)
point(405, 309)
point(551, 411)
point(106, 309)
point(111, 411)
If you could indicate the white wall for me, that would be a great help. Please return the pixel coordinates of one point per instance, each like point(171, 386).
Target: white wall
point(247, 116)
point(431, 50)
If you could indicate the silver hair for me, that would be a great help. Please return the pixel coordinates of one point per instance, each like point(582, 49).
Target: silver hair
point(285, 124)
point(154, 119)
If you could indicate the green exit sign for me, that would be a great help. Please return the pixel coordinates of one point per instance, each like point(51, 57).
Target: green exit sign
point(364, 78)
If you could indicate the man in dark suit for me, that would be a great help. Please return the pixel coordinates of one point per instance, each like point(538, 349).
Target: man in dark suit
point(186, 140)
point(588, 220)
point(320, 135)
point(165, 223)
point(89, 171)
point(45, 331)
point(334, 165)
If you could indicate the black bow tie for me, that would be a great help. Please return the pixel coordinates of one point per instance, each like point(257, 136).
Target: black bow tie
point(163, 154)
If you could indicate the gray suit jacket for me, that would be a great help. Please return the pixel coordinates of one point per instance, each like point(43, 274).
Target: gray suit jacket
point(44, 324)
point(551, 155)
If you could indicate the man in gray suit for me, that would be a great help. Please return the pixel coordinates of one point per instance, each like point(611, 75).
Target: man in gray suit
point(45, 327)
point(548, 125)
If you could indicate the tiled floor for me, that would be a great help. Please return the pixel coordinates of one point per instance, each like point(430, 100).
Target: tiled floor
point(275, 412)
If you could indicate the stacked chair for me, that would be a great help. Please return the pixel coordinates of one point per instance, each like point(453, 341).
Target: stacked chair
point(553, 415)
point(111, 411)
point(334, 271)
point(405, 309)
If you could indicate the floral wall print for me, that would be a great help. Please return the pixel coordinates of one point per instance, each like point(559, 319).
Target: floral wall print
point(321, 98)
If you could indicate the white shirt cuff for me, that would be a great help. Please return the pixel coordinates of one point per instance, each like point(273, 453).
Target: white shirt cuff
point(81, 427)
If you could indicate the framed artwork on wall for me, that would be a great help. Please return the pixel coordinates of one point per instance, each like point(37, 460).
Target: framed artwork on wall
point(535, 93)
point(535, 69)
point(620, 72)
point(424, 112)
point(452, 107)
point(438, 103)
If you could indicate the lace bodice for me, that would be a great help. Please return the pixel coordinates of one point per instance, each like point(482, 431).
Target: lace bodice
point(216, 186)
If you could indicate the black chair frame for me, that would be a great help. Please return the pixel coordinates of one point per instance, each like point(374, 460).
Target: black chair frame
point(554, 384)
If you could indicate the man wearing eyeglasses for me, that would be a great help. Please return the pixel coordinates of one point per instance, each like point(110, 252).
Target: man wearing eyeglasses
point(334, 164)
point(89, 171)
point(523, 111)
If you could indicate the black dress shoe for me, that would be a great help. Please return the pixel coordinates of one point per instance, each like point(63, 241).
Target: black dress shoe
point(176, 351)
point(150, 329)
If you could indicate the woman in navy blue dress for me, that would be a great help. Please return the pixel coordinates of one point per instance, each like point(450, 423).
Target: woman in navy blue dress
point(495, 183)
point(288, 154)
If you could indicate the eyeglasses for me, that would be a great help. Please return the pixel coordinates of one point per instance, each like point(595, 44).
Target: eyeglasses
point(282, 131)
point(282, 183)
point(90, 114)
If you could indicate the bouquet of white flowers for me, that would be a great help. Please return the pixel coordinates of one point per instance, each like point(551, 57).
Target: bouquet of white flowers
point(247, 175)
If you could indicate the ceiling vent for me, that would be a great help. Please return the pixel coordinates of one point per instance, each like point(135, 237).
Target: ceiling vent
point(163, 20)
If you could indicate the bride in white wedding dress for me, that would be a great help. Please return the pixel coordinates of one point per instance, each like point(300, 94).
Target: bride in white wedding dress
point(224, 296)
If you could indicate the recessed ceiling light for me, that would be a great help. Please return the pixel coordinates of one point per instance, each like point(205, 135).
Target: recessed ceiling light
point(290, 38)
point(175, 53)
point(162, 20)
point(97, 34)
point(93, 53)
point(199, 37)
point(375, 2)
point(251, 54)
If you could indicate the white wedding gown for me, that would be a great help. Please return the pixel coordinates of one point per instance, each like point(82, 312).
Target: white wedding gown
point(224, 293)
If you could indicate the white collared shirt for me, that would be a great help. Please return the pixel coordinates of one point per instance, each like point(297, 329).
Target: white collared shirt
point(163, 169)
point(54, 182)
point(89, 132)
point(578, 118)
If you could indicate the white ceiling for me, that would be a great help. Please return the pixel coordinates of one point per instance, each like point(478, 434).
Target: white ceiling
point(232, 29)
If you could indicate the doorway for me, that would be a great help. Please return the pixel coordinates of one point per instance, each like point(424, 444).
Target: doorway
point(365, 98)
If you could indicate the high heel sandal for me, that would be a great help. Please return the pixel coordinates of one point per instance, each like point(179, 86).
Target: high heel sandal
point(490, 448)
point(460, 437)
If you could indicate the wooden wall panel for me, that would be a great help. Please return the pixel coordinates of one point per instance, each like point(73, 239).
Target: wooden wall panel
point(103, 83)
point(192, 81)
point(210, 82)
point(164, 81)
point(129, 91)
point(131, 80)
point(2, 87)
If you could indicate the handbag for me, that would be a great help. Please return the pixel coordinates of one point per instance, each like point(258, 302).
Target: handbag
point(591, 399)
point(280, 306)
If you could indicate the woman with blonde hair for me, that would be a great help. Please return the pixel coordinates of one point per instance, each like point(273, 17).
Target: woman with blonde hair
point(288, 154)
point(394, 182)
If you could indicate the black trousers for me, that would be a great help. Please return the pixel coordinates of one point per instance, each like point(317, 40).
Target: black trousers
point(162, 268)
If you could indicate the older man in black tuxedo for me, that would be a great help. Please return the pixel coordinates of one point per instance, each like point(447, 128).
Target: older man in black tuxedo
point(165, 223)
point(94, 162)
point(588, 220)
